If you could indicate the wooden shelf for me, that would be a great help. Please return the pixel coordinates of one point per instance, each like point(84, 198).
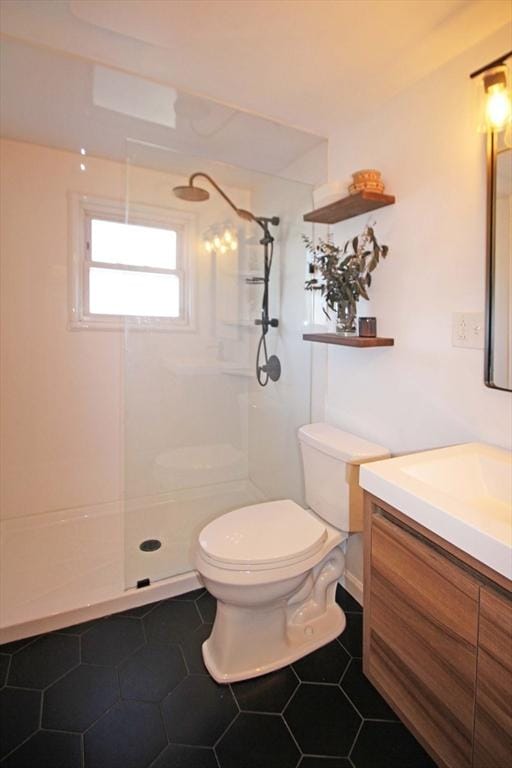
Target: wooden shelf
point(348, 207)
point(348, 341)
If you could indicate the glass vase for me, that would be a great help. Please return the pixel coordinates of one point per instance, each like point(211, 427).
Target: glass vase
point(346, 319)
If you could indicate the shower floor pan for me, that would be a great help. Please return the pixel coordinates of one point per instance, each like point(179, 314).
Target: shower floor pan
point(65, 567)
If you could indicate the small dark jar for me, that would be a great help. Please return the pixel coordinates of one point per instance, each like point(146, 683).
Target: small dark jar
point(368, 327)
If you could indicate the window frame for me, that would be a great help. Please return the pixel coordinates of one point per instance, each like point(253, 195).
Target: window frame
point(83, 209)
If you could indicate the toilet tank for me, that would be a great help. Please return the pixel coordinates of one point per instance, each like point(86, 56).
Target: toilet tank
point(331, 460)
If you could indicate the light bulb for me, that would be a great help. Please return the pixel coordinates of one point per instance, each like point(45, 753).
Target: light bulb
point(216, 241)
point(207, 246)
point(228, 236)
point(233, 245)
point(498, 107)
point(223, 249)
point(82, 166)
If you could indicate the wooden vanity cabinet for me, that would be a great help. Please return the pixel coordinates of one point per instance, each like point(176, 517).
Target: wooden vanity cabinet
point(493, 715)
point(437, 641)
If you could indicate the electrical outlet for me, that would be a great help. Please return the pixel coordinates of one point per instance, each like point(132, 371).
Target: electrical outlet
point(468, 330)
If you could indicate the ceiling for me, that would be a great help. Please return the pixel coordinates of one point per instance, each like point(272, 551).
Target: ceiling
point(306, 63)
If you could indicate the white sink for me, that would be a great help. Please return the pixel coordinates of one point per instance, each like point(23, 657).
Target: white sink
point(462, 493)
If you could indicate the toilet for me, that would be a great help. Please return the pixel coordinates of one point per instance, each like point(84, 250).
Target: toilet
point(274, 567)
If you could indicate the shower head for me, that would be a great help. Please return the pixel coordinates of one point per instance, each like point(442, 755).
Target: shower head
point(196, 194)
point(191, 194)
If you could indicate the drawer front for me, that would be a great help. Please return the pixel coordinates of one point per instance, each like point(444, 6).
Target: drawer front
point(493, 719)
point(423, 627)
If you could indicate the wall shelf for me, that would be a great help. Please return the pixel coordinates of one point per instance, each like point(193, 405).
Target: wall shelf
point(348, 207)
point(348, 341)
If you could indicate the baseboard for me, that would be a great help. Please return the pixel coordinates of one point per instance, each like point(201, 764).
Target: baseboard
point(353, 586)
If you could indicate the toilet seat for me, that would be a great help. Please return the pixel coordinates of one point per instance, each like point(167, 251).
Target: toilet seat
point(262, 537)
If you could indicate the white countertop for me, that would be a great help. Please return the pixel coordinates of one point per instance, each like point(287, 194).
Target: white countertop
point(462, 493)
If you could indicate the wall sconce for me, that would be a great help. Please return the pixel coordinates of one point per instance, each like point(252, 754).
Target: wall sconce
point(495, 88)
point(220, 241)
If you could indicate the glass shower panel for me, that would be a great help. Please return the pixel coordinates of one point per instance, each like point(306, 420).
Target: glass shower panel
point(201, 437)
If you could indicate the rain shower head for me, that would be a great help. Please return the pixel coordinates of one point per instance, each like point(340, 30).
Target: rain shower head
point(191, 194)
point(197, 194)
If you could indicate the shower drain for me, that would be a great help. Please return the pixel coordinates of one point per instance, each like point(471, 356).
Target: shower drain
point(150, 545)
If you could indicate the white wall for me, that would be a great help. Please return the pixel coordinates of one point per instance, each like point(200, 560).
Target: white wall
point(62, 391)
point(423, 392)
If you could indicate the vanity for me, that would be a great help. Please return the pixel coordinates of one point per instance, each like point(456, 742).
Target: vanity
point(438, 599)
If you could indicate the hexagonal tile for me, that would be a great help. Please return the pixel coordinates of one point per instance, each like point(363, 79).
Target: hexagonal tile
point(75, 701)
point(16, 645)
point(207, 606)
point(198, 711)
point(178, 756)
point(130, 735)
point(140, 610)
point(269, 693)
point(352, 636)
point(332, 729)
point(152, 672)
point(346, 602)
point(366, 699)
point(45, 748)
point(191, 645)
point(325, 762)
point(171, 621)
point(112, 640)
point(193, 595)
point(257, 740)
point(326, 665)
point(43, 661)
point(20, 717)
point(391, 740)
point(5, 660)
point(80, 629)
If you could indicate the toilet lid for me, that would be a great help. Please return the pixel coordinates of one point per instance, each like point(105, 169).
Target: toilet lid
point(274, 533)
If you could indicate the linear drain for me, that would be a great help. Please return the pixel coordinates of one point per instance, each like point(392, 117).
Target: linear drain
point(150, 545)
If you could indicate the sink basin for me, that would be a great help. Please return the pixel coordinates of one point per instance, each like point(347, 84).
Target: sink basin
point(462, 493)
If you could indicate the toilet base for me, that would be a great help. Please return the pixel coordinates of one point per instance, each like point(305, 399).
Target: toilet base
point(302, 639)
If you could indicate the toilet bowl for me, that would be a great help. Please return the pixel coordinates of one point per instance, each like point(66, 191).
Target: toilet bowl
point(274, 567)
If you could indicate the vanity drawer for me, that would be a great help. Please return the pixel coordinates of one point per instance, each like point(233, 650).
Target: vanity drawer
point(421, 637)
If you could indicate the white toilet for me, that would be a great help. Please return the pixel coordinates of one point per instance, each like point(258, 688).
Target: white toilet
point(273, 567)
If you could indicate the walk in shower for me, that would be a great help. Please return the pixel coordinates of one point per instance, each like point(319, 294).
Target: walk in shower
point(126, 430)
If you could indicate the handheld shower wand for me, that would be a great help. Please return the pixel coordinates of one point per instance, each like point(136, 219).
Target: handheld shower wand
point(267, 368)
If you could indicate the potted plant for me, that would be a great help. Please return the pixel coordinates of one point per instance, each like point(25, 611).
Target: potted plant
point(343, 275)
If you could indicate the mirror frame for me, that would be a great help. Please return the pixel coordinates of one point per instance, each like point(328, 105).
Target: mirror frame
point(490, 262)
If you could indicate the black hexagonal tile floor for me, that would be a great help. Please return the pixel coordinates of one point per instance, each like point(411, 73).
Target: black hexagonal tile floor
point(269, 693)
point(15, 645)
point(79, 698)
point(198, 711)
point(140, 610)
point(207, 606)
point(80, 629)
point(352, 636)
point(43, 661)
point(179, 756)
point(389, 745)
point(346, 601)
point(5, 660)
point(194, 595)
point(191, 645)
point(112, 640)
point(45, 749)
point(20, 717)
point(366, 699)
point(322, 720)
point(326, 665)
point(326, 762)
point(152, 672)
point(171, 621)
point(130, 735)
point(255, 740)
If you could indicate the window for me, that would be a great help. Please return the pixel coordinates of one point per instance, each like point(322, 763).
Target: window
point(134, 271)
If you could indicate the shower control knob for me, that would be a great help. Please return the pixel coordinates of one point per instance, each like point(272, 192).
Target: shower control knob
point(274, 322)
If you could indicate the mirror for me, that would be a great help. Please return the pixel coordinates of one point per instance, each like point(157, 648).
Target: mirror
point(498, 349)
